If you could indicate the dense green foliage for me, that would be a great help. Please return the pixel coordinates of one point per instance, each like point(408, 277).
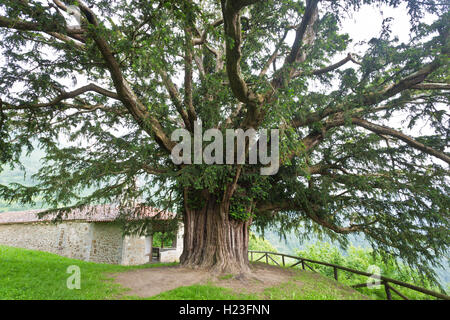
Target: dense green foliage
point(291, 245)
point(160, 239)
point(259, 244)
point(362, 259)
point(355, 257)
point(115, 88)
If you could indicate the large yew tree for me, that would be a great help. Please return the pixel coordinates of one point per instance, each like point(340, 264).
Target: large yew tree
point(363, 137)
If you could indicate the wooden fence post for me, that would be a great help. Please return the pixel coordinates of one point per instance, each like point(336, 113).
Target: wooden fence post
point(267, 258)
point(335, 273)
point(282, 258)
point(388, 291)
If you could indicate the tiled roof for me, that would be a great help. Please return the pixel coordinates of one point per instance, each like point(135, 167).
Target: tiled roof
point(99, 213)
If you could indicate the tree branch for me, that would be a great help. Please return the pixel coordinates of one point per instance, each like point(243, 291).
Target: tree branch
point(315, 137)
point(175, 98)
point(274, 54)
point(399, 135)
point(139, 111)
point(202, 39)
point(432, 86)
point(232, 26)
point(305, 27)
point(410, 82)
point(188, 66)
point(332, 67)
point(290, 206)
point(21, 25)
point(327, 224)
point(68, 95)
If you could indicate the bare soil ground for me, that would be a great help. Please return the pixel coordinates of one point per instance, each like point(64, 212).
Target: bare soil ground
point(152, 281)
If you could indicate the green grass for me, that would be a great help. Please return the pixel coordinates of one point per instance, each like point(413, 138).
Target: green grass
point(312, 286)
point(36, 275)
point(305, 285)
point(200, 292)
point(226, 277)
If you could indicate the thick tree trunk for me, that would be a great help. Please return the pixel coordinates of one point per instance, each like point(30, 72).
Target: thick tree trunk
point(214, 241)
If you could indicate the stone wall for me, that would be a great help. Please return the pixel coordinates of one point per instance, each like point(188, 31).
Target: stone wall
point(100, 242)
point(169, 255)
point(133, 251)
point(70, 239)
point(106, 243)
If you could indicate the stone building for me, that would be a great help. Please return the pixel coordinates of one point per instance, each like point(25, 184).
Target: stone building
point(91, 234)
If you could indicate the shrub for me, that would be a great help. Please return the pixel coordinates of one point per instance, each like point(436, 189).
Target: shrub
point(364, 259)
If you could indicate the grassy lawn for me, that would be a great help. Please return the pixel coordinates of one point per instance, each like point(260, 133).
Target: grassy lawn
point(313, 287)
point(28, 274)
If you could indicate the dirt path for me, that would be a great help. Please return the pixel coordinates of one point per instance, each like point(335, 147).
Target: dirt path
point(152, 281)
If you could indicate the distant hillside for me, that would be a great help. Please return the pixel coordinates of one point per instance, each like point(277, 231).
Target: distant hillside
point(31, 164)
point(292, 244)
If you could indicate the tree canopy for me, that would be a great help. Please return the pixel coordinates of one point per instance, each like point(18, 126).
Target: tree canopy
point(117, 85)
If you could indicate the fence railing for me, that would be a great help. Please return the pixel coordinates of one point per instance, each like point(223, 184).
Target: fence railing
point(385, 281)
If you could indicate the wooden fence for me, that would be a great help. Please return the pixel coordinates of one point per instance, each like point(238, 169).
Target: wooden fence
point(385, 281)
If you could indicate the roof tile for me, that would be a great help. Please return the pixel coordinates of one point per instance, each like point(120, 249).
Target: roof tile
point(99, 213)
